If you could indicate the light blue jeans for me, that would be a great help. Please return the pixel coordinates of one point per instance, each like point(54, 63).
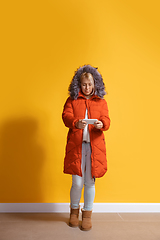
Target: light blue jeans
point(86, 180)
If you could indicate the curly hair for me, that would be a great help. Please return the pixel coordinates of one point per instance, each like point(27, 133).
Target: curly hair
point(75, 84)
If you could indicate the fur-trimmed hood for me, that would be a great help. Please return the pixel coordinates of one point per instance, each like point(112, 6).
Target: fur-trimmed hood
point(75, 87)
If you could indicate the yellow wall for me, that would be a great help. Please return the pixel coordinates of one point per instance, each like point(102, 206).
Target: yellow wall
point(43, 43)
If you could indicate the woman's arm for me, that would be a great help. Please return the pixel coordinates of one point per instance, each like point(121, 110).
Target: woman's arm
point(68, 115)
point(104, 118)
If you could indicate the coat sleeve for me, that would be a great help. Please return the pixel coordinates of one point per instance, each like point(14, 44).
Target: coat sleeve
point(68, 114)
point(104, 118)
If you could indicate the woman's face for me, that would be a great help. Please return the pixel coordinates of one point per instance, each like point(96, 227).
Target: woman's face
point(87, 86)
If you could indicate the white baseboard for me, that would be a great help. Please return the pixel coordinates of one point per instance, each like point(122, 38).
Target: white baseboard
point(64, 207)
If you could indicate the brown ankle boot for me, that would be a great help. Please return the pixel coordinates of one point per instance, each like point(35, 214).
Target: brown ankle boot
point(86, 220)
point(74, 217)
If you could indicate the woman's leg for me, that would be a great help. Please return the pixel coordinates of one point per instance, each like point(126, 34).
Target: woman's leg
point(87, 180)
point(89, 183)
point(75, 193)
point(78, 182)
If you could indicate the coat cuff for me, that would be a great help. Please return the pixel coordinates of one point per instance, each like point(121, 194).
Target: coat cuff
point(74, 123)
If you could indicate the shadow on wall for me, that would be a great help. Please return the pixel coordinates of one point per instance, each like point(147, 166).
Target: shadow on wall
point(21, 161)
point(41, 38)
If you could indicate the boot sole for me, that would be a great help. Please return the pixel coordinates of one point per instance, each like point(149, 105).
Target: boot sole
point(86, 229)
point(74, 226)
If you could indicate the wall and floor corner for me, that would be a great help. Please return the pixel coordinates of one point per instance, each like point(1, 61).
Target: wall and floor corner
point(42, 44)
point(65, 207)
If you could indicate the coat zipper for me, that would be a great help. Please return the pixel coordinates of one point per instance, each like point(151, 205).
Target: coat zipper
point(90, 141)
point(81, 144)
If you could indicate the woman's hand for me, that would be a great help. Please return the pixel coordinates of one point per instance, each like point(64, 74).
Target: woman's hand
point(98, 124)
point(81, 124)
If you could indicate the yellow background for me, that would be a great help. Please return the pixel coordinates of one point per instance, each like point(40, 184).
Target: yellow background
point(42, 44)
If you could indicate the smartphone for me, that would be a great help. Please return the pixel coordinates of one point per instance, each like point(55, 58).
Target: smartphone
point(90, 121)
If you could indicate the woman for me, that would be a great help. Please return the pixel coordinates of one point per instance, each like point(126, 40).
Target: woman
point(85, 157)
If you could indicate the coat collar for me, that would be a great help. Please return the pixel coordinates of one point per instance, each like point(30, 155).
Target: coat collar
point(80, 95)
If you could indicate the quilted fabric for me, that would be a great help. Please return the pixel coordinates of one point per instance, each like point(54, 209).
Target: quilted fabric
point(73, 111)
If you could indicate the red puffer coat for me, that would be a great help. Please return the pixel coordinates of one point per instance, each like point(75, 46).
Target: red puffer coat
point(72, 112)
